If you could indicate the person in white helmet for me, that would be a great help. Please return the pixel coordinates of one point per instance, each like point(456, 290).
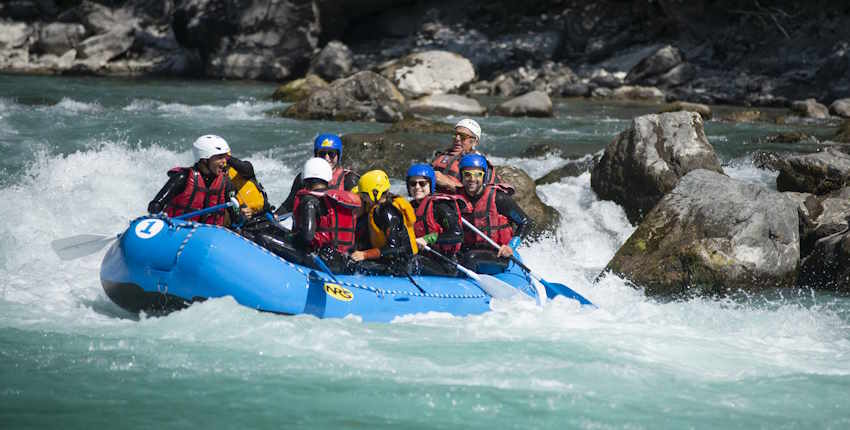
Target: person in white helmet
point(204, 184)
point(467, 135)
point(323, 222)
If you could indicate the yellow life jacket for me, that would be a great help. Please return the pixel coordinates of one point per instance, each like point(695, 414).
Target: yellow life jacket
point(377, 236)
point(248, 194)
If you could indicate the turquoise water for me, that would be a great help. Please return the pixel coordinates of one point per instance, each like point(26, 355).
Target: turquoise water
point(85, 155)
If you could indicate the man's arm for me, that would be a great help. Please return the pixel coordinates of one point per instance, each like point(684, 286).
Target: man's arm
point(176, 184)
point(506, 206)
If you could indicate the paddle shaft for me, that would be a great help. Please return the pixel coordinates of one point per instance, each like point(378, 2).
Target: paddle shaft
point(205, 211)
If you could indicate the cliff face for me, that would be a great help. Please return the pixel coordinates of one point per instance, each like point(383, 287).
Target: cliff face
point(733, 49)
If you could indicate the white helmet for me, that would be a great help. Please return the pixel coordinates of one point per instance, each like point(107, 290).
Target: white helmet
point(317, 168)
point(209, 145)
point(471, 125)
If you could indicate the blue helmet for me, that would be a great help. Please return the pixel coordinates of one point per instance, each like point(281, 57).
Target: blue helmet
point(423, 170)
point(327, 141)
point(473, 161)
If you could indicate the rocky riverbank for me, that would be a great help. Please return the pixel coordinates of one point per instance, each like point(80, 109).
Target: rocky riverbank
point(765, 53)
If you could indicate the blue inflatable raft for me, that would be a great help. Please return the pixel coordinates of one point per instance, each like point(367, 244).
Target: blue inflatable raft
point(159, 265)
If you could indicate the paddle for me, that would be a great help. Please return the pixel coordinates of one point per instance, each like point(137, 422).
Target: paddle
point(324, 267)
point(552, 288)
point(74, 247)
point(495, 287)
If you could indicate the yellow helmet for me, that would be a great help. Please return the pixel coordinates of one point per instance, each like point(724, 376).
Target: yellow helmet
point(374, 183)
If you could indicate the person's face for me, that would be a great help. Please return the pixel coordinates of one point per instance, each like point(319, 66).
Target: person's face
point(217, 164)
point(464, 141)
point(418, 187)
point(473, 181)
point(330, 155)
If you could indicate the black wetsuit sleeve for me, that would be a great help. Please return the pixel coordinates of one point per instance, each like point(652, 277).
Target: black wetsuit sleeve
point(390, 220)
point(308, 214)
point(176, 184)
point(447, 216)
point(350, 181)
point(506, 206)
point(287, 204)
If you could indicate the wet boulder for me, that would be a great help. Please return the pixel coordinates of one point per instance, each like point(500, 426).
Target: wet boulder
point(447, 103)
point(430, 72)
point(843, 133)
point(820, 216)
point(363, 96)
point(817, 173)
point(299, 89)
point(535, 103)
point(713, 235)
point(646, 161)
point(576, 166)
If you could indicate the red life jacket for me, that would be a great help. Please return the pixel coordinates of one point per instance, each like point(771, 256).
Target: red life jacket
point(448, 165)
point(338, 179)
point(197, 195)
point(336, 227)
point(485, 216)
point(427, 223)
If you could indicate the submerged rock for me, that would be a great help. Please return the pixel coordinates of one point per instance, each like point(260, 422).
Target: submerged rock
point(713, 235)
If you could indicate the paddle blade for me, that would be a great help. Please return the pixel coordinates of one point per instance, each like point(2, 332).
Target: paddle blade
point(73, 247)
point(496, 287)
point(554, 289)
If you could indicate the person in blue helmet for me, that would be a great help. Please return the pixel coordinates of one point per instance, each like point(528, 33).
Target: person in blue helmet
point(329, 147)
point(438, 221)
point(491, 209)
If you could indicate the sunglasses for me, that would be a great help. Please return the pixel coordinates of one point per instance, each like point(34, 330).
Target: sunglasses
point(467, 174)
point(463, 136)
point(326, 154)
point(420, 184)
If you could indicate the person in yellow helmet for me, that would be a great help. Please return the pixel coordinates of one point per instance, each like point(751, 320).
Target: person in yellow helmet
point(385, 234)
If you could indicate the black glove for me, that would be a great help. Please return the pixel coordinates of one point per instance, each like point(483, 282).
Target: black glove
point(155, 207)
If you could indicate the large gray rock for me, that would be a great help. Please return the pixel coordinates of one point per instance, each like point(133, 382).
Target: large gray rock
point(810, 108)
point(637, 92)
point(820, 216)
point(535, 103)
point(430, 72)
point(363, 96)
point(713, 235)
point(646, 161)
point(817, 173)
point(332, 62)
point(660, 62)
point(57, 38)
point(840, 107)
point(447, 103)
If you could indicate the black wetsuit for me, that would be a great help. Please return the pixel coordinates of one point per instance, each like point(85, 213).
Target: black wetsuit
point(425, 263)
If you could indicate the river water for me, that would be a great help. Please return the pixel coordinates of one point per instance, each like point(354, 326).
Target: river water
point(84, 155)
